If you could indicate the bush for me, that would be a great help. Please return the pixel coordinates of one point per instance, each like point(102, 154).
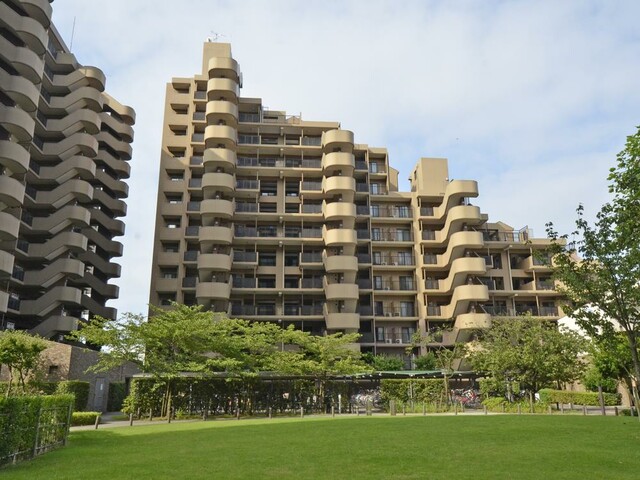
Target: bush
point(84, 418)
point(426, 362)
point(117, 394)
point(77, 388)
point(500, 404)
point(578, 398)
point(19, 417)
point(424, 390)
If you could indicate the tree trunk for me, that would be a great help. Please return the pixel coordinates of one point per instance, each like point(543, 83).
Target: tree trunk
point(633, 345)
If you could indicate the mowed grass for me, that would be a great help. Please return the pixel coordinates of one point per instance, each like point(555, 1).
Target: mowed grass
point(432, 447)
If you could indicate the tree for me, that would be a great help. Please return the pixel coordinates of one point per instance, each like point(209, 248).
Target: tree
point(532, 352)
point(610, 363)
point(20, 352)
point(600, 272)
point(383, 362)
point(426, 362)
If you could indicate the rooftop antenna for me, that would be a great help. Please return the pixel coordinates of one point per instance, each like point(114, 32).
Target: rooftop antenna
point(214, 36)
point(73, 31)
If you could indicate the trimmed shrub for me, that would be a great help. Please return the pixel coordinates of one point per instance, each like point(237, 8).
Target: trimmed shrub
point(84, 418)
point(117, 394)
point(427, 390)
point(578, 398)
point(19, 419)
point(77, 388)
point(500, 404)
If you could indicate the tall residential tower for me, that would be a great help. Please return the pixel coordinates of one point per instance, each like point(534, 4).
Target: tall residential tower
point(64, 146)
point(267, 216)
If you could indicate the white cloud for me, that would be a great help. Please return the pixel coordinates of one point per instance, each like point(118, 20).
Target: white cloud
point(531, 98)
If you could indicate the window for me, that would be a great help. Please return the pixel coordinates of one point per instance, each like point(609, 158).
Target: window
point(170, 247)
point(267, 259)
point(174, 198)
point(172, 222)
point(375, 210)
point(165, 299)
point(291, 259)
point(169, 272)
point(176, 176)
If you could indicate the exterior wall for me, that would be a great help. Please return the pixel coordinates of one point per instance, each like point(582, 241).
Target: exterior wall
point(268, 216)
point(66, 362)
point(64, 151)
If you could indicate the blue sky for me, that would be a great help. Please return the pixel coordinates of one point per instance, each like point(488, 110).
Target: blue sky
point(531, 98)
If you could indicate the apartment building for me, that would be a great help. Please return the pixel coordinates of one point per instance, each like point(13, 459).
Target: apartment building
point(270, 217)
point(64, 151)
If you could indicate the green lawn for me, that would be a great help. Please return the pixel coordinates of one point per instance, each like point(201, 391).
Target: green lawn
point(436, 447)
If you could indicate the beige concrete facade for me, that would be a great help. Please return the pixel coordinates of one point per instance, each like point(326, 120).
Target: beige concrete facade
point(64, 151)
point(267, 216)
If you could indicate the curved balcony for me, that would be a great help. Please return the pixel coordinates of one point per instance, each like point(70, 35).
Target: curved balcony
point(461, 268)
point(21, 90)
point(107, 267)
point(26, 62)
point(113, 247)
point(223, 67)
point(126, 113)
point(216, 135)
point(214, 262)
point(11, 191)
point(83, 97)
point(61, 268)
point(454, 192)
point(97, 308)
point(52, 299)
point(222, 110)
point(122, 148)
point(473, 321)
point(39, 9)
point(338, 161)
point(216, 208)
point(223, 88)
point(457, 217)
point(61, 244)
point(9, 226)
point(340, 263)
point(54, 325)
point(338, 185)
point(213, 290)
point(14, 156)
point(461, 298)
point(119, 188)
point(458, 244)
point(125, 131)
point(81, 120)
point(117, 207)
point(122, 168)
point(219, 158)
point(18, 122)
point(29, 30)
point(116, 227)
point(70, 215)
point(71, 191)
point(77, 144)
point(342, 321)
point(338, 210)
point(6, 264)
point(342, 139)
point(217, 182)
point(341, 291)
point(216, 235)
point(79, 166)
point(339, 236)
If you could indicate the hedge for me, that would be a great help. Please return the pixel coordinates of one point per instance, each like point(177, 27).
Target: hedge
point(84, 418)
point(77, 388)
point(578, 398)
point(117, 394)
point(500, 404)
point(419, 390)
point(20, 418)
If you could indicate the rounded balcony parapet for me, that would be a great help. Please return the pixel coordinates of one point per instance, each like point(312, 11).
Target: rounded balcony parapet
point(223, 89)
point(219, 67)
point(220, 136)
point(337, 139)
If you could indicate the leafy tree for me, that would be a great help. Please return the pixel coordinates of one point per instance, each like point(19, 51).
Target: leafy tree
point(529, 351)
point(426, 362)
point(383, 362)
point(610, 363)
point(20, 352)
point(600, 272)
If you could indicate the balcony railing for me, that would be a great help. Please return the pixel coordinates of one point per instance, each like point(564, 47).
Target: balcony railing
point(311, 208)
point(191, 231)
point(245, 257)
point(361, 165)
point(498, 236)
point(394, 211)
point(364, 258)
point(315, 282)
point(247, 184)
point(311, 186)
point(362, 210)
point(191, 256)
point(394, 336)
point(240, 282)
point(189, 282)
point(385, 311)
point(195, 183)
point(426, 211)
point(300, 310)
point(364, 283)
point(394, 285)
point(393, 259)
point(391, 235)
point(311, 141)
point(311, 257)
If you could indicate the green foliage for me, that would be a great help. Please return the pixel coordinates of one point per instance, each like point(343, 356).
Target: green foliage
point(20, 352)
point(592, 379)
point(529, 351)
point(500, 404)
point(117, 394)
point(19, 418)
point(79, 419)
point(600, 272)
point(426, 362)
point(404, 391)
point(383, 363)
point(578, 398)
point(77, 388)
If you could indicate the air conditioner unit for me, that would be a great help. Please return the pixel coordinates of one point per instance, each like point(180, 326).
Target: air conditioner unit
point(396, 314)
point(383, 263)
point(388, 314)
point(398, 340)
point(388, 340)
